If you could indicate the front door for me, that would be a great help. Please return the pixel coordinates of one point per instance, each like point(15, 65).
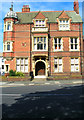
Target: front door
point(40, 68)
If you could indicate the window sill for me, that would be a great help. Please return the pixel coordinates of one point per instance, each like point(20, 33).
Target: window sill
point(74, 50)
point(58, 50)
point(58, 72)
point(39, 50)
point(64, 30)
point(7, 51)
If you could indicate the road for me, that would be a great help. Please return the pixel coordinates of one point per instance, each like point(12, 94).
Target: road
point(43, 102)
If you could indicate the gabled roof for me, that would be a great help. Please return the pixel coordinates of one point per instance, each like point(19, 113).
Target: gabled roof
point(63, 15)
point(50, 15)
point(39, 15)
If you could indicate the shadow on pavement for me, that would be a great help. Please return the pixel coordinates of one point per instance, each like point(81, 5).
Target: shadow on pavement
point(60, 104)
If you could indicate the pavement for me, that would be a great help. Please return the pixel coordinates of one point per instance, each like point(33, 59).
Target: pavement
point(36, 82)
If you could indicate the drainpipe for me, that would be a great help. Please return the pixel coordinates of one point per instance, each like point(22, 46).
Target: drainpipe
point(49, 51)
point(30, 48)
point(80, 47)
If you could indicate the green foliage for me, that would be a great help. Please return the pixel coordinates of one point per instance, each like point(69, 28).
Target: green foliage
point(19, 74)
point(14, 73)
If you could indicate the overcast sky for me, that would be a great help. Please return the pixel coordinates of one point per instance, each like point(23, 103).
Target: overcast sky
point(35, 5)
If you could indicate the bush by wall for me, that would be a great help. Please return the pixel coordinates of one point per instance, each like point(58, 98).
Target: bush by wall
point(14, 73)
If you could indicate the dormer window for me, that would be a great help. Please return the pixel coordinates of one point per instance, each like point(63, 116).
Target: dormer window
point(64, 25)
point(39, 23)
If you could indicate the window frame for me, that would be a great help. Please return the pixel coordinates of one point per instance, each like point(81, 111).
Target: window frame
point(57, 63)
point(64, 24)
point(39, 24)
point(74, 44)
point(58, 43)
point(75, 64)
point(22, 65)
point(6, 26)
point(5, 45)
point(39, 42)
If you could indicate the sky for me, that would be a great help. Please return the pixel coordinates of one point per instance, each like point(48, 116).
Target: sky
point(35, 5)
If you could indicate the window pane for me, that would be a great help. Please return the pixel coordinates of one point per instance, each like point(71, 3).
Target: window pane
point(71, 46)
point(26, 68)
point(60, 21)
point(55, 40)
point(44, 39)
point(8, 47)
point(36, 21)
point(76, 46)
point(76, 68)
point(22, 68)
point(18, 61)
point(26, 60)
point(22, 61)
point(71, 40)
point(75, 40)
point(38, 39)
point(56, 68)
point(7, 68)
point(60, 61)
point(60, 68)
point(59, 46)
point(76, 61)
point(41, 39)
point(55, 61)
point(2, 66)
point(72, 68)
point(44, 46)
point(18, 68)
point(35, 47)
point(59, 40)
point(63, 21)
point(72, 60)
point(35, 40)
point(9, 26)
point(56, 46)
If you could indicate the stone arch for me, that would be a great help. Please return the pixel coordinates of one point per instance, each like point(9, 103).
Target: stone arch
point(40, 67)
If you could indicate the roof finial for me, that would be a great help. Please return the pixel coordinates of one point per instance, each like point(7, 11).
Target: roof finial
point(11, 9)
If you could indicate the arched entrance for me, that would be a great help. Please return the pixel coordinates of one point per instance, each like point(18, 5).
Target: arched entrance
point(40, 68)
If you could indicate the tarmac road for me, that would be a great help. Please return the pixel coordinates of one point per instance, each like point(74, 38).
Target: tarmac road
point(48, 101)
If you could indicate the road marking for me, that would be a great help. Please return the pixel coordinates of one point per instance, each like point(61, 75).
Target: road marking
point(15, 84)
point(56, 82)
point(10, 94)
point(47, 83)
point(31, 84)
point(78, 82)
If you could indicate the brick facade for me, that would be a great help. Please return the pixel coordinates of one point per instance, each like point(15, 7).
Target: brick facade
point(23, 34)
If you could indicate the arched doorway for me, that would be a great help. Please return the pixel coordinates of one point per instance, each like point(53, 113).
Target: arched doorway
point(40, 68)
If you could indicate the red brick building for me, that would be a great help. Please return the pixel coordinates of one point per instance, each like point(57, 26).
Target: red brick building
point(45, 42)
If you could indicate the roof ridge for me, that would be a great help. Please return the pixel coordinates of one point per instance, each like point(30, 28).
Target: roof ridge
point(44, 11)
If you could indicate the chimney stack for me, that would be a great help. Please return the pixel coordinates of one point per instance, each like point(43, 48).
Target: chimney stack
point(25, 8)
point(76, 6)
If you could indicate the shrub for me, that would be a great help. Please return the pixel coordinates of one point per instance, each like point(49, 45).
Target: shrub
point(12, 73)
point(19, 74)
